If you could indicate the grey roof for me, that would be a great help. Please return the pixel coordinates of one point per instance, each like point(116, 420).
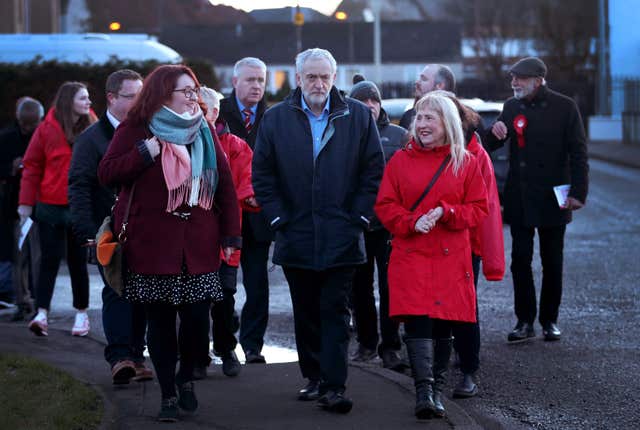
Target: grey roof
point(402, 42)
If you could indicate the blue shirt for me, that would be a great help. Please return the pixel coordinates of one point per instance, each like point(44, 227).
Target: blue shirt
point(253, 110)
point(318, 125)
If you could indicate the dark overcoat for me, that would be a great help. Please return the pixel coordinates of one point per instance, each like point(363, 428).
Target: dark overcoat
point(554, 153)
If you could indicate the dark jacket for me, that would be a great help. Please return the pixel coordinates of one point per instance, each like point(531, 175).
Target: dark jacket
point(555, 153)
point(89, 201)
point(317, 208)
point(253, 224)
point(158, 242)
point(407, 118)
point(392, 138)
point(13, 144)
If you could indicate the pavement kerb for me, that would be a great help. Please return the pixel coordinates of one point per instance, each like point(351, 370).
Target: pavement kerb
point(456, 416)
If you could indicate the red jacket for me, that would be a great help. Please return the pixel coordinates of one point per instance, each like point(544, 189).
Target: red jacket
point(239, 156)
point(159, 243)
point(46, 165)
point(431, 274)
point(487, 239)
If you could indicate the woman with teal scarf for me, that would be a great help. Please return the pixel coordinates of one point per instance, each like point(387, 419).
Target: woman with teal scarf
point(167, 162)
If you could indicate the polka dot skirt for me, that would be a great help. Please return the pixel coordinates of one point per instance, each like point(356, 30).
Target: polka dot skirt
point(172, 289)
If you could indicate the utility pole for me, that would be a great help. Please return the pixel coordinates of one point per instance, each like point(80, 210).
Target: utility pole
point(603, 86)
point(376, 5)
point(298, 21)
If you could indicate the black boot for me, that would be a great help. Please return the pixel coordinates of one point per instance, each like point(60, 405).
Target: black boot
point(420, 352)
point(441, 354)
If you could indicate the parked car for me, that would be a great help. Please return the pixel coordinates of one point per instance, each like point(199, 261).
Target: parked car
point(488, 111)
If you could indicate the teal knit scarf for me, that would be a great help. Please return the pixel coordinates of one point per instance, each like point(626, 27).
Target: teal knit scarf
point(198, 186)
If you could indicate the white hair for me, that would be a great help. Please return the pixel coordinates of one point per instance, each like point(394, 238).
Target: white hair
point(454, 136)
point(210, 97)
point(314, 53)
point(248, 62)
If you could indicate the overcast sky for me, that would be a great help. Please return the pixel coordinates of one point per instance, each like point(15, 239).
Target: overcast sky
point(325, 6)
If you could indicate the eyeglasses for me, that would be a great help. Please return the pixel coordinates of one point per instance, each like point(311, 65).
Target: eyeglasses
point(127, 96)
point(188, 92)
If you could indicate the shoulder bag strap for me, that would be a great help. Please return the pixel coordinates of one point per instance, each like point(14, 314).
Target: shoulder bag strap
point(122, 236)
point(433, 181)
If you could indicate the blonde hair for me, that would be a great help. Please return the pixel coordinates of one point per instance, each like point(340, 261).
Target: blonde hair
point(454, 136)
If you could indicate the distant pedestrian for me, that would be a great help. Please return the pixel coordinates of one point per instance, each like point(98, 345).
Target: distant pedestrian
point(13, 144)
point(243, 111)
point(124, 323)
point(547, 149)
point(239, 157)
point(316, 168)
point(430, 273)
point(44, 185)
point(376, 240)
point(175, 180)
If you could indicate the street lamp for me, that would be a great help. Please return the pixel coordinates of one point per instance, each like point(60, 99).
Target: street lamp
point(376, 5)
point(115, 26)
point(298, 21)
point(341, 15)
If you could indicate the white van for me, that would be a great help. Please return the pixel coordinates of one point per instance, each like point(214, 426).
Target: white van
point(94, 48)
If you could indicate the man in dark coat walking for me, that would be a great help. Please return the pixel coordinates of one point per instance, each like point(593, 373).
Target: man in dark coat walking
point(317, 166)
point(548, 149)
point(14, 284)
point(242, 111)
point(124, 323)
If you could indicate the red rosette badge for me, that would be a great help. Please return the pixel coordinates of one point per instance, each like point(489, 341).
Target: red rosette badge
point(520, 124)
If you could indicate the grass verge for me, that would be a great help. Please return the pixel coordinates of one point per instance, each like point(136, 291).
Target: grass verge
point(34, 395)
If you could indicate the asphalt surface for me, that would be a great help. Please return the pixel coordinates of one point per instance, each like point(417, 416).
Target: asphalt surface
point(586, 380)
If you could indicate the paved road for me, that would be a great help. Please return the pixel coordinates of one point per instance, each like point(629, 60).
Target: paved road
point(588, 379)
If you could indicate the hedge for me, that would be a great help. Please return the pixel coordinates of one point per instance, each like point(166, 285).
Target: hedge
point(41, 79)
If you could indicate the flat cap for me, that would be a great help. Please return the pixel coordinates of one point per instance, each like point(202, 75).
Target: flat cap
point(530, 66)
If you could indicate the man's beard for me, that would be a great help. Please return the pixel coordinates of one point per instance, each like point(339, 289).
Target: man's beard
point(524, 91)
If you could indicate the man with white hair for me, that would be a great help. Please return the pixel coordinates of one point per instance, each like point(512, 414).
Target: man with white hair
point(317, 165)
point(243, 111)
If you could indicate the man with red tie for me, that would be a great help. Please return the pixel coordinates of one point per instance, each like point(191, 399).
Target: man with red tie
point(242, 111)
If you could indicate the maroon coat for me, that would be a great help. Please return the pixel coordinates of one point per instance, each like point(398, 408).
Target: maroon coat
point(431, 274)
point(159, 243)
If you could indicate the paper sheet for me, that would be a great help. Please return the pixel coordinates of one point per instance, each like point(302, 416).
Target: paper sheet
point(24, 230)
point(561, 192)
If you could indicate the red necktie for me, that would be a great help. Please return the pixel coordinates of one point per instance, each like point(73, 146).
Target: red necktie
point(247, 119)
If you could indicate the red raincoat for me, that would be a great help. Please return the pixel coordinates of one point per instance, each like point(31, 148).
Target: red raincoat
point(487, 239)
point(430, 274)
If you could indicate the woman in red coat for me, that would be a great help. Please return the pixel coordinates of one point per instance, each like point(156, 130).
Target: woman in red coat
point(165, 160)
point(430, 274)
point(44, 185)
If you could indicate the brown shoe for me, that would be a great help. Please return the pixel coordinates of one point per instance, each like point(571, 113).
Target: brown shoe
point(122, 372)
point(143, 373)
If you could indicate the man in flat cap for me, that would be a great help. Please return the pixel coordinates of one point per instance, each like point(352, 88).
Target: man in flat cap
point(548, 148)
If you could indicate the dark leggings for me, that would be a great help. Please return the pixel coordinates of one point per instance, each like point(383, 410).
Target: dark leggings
point(164, 343)
point(55, 242)
point(424, 327)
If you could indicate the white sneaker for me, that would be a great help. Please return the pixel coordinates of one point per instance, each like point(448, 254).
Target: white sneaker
point(39, 325)
point(81, 325)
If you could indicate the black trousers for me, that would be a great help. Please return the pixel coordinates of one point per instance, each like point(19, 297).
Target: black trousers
point(125, 326)
point(363, 300)
point(551, 255)
point(255, 312)
point(224, 340)
point(55, 241)
point(321, 319)
point(466, 336)
point(164, 343)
